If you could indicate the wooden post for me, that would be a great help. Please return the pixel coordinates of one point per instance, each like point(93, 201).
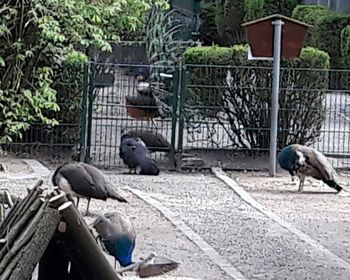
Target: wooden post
point(54, 263)
point(83, 247)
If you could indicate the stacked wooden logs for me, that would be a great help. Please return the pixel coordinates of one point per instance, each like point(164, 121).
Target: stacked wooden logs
point(48, 228)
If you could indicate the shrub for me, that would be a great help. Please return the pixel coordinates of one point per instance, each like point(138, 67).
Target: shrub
point(235, 93)
point(345, 45)
point(310, 14)
point(221, 22)
point(261, 8)
point(327, 36)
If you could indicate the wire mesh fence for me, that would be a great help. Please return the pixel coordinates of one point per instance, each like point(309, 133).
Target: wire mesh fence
point(60, 142)
point(129, 103)
point(227, 112)
point(220, 113)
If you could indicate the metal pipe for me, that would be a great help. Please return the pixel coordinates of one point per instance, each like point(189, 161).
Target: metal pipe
point(275, 92)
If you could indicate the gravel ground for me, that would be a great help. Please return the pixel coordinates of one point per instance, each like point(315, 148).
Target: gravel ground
point(317, 211)
point(155, 234)
point(253, 243)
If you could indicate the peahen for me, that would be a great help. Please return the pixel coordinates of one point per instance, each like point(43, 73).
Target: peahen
point(135, 155)
point(154, 141)
point(305, 161)
point(84, 180)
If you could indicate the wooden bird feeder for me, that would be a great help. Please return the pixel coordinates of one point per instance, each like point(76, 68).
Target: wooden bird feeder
point(276, 37)
point(260, 35)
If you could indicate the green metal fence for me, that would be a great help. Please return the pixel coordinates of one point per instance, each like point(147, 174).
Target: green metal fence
point(226, 113)
point(59, 142)
point(217, 113)
point(108, 116)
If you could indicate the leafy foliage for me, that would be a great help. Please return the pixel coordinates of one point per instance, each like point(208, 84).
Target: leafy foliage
point(164, 46)
point(310, 14)
point(327, 36)
point(38, 39)
point(255, 9)
point(345, 45)
point(221, 22)
point(237, 96)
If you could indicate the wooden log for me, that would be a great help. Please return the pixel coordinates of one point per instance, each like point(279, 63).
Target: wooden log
point(55, 262)
point(82, 245)
point(32, 250)
point(6, 197)
point(18, 227)
point(22, 239)
point(19, 210)
point(57, 200)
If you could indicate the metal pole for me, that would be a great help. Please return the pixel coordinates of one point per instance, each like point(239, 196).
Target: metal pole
point(275, 92)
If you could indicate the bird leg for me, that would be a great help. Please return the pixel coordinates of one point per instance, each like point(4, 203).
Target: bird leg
point(87, 208)
point(301, 184)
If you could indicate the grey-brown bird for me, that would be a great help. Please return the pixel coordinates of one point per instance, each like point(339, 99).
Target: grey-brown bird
point(83, 180)
point(154, 141)
point(305, 161)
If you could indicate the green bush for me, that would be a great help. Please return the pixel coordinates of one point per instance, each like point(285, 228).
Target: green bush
point(345, 46)
point(225, 87)
point(327, 36)
point(310, 14)
point(221, 22)
point(261, 8)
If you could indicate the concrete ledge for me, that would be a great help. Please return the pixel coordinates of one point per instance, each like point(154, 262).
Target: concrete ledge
point(219, 173)
point(190, 234)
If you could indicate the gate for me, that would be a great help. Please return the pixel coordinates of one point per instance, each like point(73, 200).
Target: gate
point(117, 100)
point(214, 114)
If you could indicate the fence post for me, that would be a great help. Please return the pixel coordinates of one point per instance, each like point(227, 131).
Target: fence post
point(90, 106)
point(84, 113)
point(174, 114)
point(275, 92)
point(182, 93)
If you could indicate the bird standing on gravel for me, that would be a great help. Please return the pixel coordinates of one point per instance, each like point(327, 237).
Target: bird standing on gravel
point(135, 155)
point(84, 180)
point(117, 236)
point(305, 161)
point(154, 141)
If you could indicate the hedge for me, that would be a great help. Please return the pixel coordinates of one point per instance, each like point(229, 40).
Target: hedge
point(310, 14)
point(260, 8)
point(326, 33)
point(327, 36)
point(345, 45)
point(222, 87)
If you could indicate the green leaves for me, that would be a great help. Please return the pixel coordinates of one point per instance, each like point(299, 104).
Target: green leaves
point(39, 59)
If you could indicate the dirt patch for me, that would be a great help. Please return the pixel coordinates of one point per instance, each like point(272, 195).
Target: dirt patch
point(14, 166)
